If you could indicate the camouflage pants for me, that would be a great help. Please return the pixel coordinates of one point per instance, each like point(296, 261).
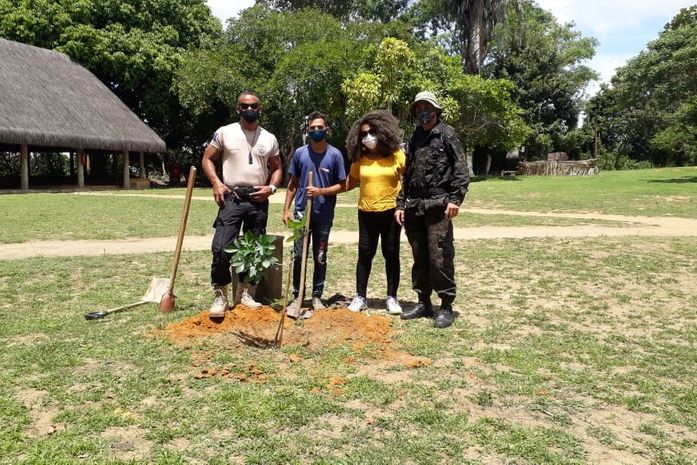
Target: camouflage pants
point(431, 240)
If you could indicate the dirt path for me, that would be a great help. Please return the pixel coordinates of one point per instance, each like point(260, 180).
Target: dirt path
point(645, 226)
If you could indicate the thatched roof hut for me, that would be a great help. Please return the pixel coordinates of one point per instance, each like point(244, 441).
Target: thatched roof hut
point(48, 100)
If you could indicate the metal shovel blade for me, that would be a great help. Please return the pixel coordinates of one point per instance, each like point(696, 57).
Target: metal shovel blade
point(158, 287)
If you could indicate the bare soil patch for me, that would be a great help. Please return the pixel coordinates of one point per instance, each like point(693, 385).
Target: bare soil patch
point(127, 443)
point(258, 327)
point(368, 335)
point(40, 414)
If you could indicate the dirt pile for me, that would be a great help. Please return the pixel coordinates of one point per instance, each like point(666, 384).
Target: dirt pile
point(257, 327)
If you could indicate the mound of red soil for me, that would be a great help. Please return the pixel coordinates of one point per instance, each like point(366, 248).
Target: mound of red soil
point(257, 327)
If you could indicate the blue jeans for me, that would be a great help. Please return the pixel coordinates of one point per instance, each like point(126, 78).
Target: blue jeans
point(319, 237)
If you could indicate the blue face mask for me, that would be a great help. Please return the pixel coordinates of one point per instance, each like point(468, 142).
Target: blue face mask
point(318, 135)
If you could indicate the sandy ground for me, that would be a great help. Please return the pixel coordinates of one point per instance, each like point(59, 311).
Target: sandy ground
point(643, 226)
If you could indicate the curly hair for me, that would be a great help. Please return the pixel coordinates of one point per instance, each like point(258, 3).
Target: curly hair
point(386, 130)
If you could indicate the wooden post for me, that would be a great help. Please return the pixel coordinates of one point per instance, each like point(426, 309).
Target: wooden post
point(142, 166)
point(72, 163)
point(595, 142)
point(126, 170)
point(24, 166)
point(81, 161)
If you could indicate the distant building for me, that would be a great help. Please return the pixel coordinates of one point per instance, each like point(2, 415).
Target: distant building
point(50, 103)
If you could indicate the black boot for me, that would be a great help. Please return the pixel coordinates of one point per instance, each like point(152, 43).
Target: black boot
point(420, 310)
point(444, 316)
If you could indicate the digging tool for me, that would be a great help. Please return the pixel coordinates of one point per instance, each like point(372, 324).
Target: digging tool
point(169, 300)
point(306, 240)
point(158, 288)
point(279, 332)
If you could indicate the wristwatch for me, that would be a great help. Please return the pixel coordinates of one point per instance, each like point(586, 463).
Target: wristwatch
point(273, 188)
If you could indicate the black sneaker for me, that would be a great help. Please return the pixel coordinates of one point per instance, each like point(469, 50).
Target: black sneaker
point(444, 316)
point(420, 310)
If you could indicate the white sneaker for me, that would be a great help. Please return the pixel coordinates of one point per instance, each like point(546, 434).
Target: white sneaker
point(357, 304)
point(317, 304)
point(220, 304)
point(248, 301)
point(294, 310)
point(393, 307)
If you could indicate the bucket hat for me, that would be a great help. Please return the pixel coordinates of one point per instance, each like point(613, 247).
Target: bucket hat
point(425, 96)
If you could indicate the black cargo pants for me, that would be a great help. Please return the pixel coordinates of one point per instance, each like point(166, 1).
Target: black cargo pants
point(431, 239)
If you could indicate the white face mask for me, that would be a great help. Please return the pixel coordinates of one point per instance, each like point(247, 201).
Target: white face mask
point(370, 141)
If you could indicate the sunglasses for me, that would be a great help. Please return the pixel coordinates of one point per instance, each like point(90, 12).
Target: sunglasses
point(245, 106)
point(365, 133)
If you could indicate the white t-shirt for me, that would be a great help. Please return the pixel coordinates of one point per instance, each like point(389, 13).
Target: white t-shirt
point(246, 154)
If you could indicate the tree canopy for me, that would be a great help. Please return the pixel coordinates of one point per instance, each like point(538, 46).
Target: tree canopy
point(506, 71)
point(544, 59)
point(304, 60)
point(650, 110)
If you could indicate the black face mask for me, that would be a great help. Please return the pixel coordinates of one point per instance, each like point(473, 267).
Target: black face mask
point(250, 115)
point(424, 117)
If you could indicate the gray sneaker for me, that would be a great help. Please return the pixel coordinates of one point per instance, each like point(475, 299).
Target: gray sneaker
point(317, 304)
point(393, 307)
point(294, 310)
point(357, 304)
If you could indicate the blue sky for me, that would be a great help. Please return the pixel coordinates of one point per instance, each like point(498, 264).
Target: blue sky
point(623, 27)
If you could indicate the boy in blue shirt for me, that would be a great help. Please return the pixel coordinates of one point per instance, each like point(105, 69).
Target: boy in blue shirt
point(329, 175)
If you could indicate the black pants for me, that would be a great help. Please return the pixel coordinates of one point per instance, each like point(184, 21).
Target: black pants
point(371, 227)
point(235, 215)
point(319, 240)
point(431, 240)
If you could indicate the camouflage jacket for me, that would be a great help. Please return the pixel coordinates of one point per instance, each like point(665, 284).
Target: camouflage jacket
point(436, 170)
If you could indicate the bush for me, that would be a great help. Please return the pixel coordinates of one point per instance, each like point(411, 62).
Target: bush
point(610, 161)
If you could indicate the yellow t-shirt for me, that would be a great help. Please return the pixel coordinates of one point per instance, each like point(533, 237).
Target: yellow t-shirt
point(381, 181)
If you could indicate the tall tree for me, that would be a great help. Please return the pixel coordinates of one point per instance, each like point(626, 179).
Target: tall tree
point(347, 10)
point(473, 24)
point(295, 60)
point(544, 59)
point(650, 111)
point(482, 110)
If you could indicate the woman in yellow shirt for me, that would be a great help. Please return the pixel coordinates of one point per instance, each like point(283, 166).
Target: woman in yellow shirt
point(373, 145)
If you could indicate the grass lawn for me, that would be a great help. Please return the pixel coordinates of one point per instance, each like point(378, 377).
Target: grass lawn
point(565, 351)
point(650, 192)
point(664, 192)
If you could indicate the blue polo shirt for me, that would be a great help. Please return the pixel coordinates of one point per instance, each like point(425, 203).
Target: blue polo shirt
point(328, 169)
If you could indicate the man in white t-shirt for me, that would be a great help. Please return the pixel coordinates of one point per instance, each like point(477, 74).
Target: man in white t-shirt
point(251, 172)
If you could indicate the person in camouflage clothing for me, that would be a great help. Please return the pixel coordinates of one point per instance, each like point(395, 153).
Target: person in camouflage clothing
point(434, 185)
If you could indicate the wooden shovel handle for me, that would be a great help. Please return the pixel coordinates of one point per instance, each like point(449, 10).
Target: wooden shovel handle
point(306, 239)
point(182, 227)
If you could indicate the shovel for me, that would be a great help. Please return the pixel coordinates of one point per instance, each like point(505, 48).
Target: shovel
point(169, 300)
point(158, 288)
point(303, 263)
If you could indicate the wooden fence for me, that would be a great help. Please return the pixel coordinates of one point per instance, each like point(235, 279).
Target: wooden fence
point(559, 168)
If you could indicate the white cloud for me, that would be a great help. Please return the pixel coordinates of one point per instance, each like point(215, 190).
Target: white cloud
point(605, 64)
point(608, 17)
point(225, 9)
point(623, 27)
